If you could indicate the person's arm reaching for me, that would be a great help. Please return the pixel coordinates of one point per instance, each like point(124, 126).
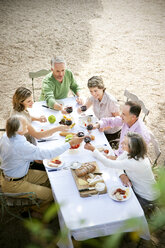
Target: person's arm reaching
point(111, 122)
point(42, 118)
point(28, 150)
point(117, 164)
point(88, 104)
point(46, 133)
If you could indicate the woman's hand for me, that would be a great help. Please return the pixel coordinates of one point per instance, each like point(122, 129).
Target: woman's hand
point(42, 118)
point(79, 100)
point(104, 129)
point(79, 110)
point(96, 126)
point(111, 157)
point(89, 147)
point(63, 111)
point(125, 180)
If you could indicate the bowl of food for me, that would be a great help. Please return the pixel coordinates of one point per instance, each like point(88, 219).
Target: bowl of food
point(67, 120)
point(75, 165)
point(73, 148)
point(87, 121)
point(104, 149)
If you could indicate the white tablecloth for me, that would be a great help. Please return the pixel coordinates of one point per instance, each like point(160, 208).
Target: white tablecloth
point(93, 216)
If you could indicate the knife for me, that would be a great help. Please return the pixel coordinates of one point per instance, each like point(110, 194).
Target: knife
point(45, 140)
point(87, 189)
point(97, 173)
point(47, 107)
point(50, 170)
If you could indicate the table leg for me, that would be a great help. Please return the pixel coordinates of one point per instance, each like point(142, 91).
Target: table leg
point(67, 243)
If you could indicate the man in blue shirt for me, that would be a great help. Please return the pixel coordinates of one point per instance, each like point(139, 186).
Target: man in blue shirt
point(16, 154)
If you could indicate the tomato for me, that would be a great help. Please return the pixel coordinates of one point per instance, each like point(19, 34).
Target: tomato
point(124, 196)
point(42, 129)
point(57, 161)
point(75, 147)
point(106, 151)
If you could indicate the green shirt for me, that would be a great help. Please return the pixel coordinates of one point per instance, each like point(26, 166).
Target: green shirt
point(53, 89)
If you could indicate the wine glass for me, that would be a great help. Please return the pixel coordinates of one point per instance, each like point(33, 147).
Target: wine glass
point(69, 109)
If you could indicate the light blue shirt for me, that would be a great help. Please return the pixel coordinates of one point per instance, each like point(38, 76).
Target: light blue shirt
point(16, 154)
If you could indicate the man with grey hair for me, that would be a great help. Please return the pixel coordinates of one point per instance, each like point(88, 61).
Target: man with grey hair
point(56, 85)
point(16, 154)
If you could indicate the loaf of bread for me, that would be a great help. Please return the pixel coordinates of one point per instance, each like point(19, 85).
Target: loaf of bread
point(85, 169)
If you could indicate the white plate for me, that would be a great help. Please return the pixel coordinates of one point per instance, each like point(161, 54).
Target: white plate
point(83, 121)
point(102, 148)
point(46, 163)
point(111, 193)
point(74, 166)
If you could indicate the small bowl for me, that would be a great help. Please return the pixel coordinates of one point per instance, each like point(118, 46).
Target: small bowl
point(75, 165)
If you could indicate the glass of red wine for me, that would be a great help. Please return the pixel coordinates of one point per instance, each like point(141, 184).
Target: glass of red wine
point(89, 127)
point(87, 139)
point(80, 134)
point(83, 108)
point(69, 109)
point(68, 122)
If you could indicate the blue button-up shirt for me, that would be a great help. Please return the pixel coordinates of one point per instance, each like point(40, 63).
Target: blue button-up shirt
point(16, 153)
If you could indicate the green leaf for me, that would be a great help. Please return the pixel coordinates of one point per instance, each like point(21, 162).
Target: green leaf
point(51, 212)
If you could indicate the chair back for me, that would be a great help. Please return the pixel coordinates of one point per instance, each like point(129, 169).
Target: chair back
point(156, 147)
point(37, 74)
point(15, 203)
point(135, 98)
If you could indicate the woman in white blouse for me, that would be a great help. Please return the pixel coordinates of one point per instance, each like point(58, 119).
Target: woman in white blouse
point(104, 105)
point(136, 165)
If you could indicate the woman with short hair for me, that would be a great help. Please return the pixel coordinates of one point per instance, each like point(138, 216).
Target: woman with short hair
point(136, 164)
point(104, 105)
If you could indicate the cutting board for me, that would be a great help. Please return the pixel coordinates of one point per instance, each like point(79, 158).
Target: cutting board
point(79, 180)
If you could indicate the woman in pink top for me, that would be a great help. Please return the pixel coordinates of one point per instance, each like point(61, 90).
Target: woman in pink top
point(104, 105)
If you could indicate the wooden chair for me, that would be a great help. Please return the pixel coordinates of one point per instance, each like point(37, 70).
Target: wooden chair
point(156, 147)
point(16, 203)
point(37, 74)
point(13, 204)
point(133, 97)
